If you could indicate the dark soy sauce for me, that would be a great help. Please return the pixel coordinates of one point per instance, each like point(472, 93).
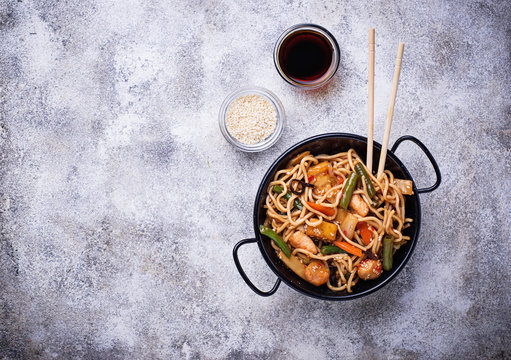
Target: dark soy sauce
point(305, 56)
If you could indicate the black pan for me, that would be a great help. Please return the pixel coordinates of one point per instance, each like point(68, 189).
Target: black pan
point(330, 144)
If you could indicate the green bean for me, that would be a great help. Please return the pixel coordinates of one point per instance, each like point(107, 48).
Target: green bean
point(361, 171)
point(388, 245)
point(351, 183)
point(331, 249)
point(265, 230)
point(297, 203)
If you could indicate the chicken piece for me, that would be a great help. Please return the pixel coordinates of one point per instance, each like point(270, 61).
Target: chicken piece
point(317, 273)
point(359, 205)
point(369, 269)
point(301, 241)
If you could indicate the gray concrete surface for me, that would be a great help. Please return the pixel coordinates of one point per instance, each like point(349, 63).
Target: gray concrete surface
point(120, 201)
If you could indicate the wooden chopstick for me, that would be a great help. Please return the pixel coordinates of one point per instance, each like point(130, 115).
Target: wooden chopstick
point(370, 102)
point(390, 113)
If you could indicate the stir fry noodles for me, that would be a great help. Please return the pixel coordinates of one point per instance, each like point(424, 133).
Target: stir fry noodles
point(332, 222)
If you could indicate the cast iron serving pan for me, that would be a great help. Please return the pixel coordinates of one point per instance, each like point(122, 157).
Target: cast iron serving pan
point(331, 144)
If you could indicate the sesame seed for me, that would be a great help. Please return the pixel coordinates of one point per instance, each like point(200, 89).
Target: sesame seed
point(251, 119)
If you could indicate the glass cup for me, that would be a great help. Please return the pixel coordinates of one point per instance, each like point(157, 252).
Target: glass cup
point(306, 56)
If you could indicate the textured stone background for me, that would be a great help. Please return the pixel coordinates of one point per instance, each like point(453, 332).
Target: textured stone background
point(120, 201)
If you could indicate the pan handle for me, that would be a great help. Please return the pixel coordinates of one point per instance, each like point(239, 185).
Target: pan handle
point(428, 154)
point(242, 272)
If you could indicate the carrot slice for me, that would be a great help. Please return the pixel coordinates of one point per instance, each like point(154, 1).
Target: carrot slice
point(328, 211)
point(348, 248)
point(365, 232)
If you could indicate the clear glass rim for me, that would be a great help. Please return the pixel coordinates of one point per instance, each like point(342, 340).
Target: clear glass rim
point(279, 126)
point(335, 56)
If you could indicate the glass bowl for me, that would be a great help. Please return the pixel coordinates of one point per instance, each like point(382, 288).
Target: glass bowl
point(323, 33)
point(279, 126)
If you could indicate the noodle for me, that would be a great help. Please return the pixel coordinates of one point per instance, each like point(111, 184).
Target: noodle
point(385, 215)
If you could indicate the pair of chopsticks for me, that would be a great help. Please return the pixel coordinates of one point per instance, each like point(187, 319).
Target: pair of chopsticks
point(390, 113)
